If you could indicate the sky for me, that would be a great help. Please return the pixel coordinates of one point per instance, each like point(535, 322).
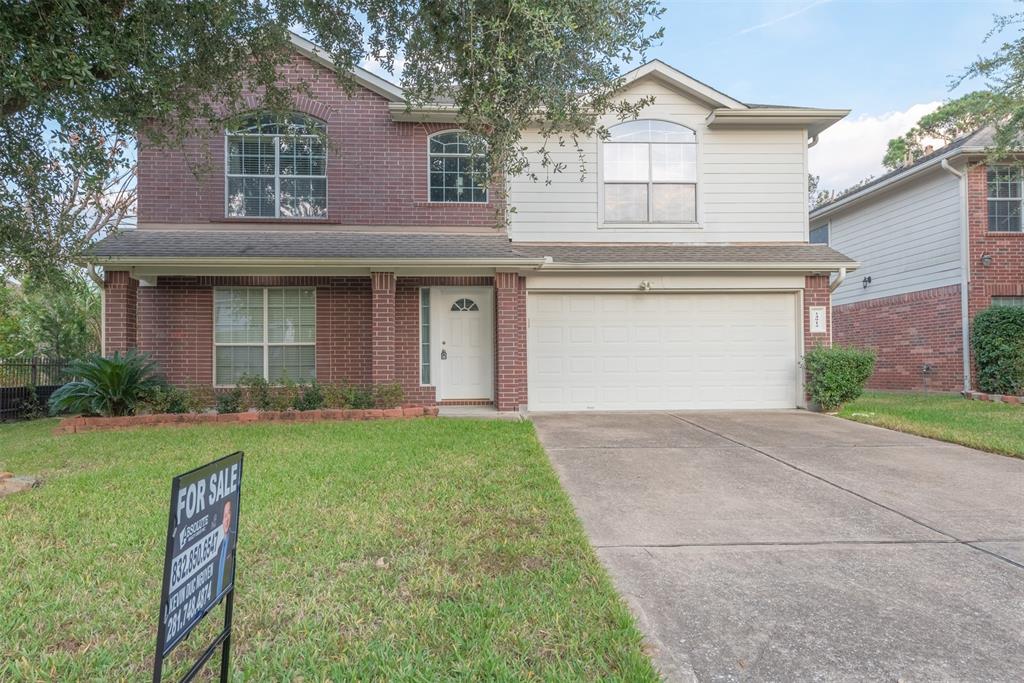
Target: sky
point(888, 61)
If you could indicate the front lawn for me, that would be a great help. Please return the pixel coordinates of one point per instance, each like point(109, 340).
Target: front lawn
point(995, 427)
point(422, 550)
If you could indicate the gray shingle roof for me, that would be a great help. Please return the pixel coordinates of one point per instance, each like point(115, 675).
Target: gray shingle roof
point(232, 244)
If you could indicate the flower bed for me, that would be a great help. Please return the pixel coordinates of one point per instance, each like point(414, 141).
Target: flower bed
point(995, 398)
point(73, 425)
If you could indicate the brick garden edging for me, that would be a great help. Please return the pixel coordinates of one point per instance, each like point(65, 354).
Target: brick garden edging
point(994, 398)
point(72, 425)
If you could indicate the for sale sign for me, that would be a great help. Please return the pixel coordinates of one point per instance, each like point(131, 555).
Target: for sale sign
point(202, 533)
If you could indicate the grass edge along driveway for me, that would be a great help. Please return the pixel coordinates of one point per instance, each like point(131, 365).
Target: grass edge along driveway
point(987, 426)
point(415, 550)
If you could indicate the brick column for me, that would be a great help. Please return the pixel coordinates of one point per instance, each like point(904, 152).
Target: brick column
point(120, 293)
point(509, 341)
point(382, 336)
point(816, 294)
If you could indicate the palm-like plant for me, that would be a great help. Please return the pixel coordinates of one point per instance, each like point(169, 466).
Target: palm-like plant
point(108, 386)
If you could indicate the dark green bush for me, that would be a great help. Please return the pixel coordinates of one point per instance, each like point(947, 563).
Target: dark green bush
point(997, 339)
point(837, 375)
point(112, 386)
point(310, 397)
point(168, 399)
point(257, 392)
point(388, 395)
point(357, 397)
point(232, 401)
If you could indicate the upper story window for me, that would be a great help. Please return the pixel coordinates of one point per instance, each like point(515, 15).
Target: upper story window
point(1004, 199)
point(650, 173)
point(277, 169)
point(819, 235)
point(458, 172)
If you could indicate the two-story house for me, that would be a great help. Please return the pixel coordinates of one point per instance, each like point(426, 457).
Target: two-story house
point(676, 274)
point(938, 241)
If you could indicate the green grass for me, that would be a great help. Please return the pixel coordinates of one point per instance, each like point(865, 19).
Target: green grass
point(994, 427)
point(416, 550)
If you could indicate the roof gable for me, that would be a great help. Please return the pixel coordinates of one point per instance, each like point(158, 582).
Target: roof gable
point(683, 82)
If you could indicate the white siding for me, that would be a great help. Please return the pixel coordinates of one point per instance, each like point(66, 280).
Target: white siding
point(752, 184)
point(907, 239)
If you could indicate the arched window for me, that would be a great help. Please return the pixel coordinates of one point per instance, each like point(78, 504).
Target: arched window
point(458, 172)
point(465, 305)
point(277, 168)
point(650, 173)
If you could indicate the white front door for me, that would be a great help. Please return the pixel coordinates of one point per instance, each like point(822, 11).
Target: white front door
point(463, 342)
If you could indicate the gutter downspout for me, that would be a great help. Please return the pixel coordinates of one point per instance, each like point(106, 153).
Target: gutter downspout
point(838, 281)
point(812, 142)
point(965, 275)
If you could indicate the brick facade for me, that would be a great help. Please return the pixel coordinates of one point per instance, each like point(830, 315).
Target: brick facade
point(908, 332)
point(1005, 275)
point(510, 341)
point(816, 294)
point(120, 323)
point(376, 167)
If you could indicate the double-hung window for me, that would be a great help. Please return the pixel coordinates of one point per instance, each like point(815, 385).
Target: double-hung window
point(267, 332)
point(819, 234)
point(1004, 198)
point(277, 169)
point(650, 173)
point(458, 168)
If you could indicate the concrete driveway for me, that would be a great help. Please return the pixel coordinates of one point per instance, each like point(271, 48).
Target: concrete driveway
point(795, 546)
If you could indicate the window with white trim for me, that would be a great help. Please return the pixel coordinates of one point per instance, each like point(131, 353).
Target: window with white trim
point(277, 169)
point(650, 173)
point(1014, 301)
point(1004, 198)
point(819, 234)
point(267, 332)
point(458, 168)
point(424, 335)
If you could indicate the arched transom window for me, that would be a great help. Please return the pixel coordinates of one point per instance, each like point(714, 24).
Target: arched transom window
point(458, 171)
point(650, 173)
point(277, 169)
point(465, 305)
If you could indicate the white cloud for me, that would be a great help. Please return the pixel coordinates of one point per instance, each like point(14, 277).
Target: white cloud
point(852, 149)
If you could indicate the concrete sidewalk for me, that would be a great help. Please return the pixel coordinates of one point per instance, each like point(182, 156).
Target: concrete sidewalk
point(790, 545)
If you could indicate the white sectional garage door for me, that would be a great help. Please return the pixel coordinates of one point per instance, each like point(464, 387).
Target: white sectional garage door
point(661, 351)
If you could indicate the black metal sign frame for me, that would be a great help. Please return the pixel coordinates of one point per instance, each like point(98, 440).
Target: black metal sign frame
point(164, 646)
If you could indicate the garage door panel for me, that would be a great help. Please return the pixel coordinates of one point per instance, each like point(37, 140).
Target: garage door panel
point(661, 351)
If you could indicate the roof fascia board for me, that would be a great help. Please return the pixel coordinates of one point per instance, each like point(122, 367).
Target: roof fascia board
point(814, 120)
point(748, 266)
point(682, 81)
point(898, 179)
point(370, 81)
point(432, 113)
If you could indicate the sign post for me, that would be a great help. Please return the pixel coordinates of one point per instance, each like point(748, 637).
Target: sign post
point(199, 564)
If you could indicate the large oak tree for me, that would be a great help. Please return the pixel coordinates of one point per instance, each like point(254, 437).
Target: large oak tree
point(81, 78)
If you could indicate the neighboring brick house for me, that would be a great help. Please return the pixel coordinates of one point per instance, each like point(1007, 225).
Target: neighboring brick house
point(938, 241)
point(676, 274)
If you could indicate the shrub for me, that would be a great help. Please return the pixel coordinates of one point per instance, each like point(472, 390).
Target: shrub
point(310, 397)
point(168, 399)
point(837, 375)
point(232, 401)
point(111, 386)
point(334, 396)
point(388, 395)
point(997, 339)
point(201, 398)
point(357, 397)
point(257, 392)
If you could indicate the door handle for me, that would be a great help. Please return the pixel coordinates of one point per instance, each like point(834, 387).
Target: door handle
point(444, 354)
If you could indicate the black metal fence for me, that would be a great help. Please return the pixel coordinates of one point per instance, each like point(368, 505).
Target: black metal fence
point(26, 385)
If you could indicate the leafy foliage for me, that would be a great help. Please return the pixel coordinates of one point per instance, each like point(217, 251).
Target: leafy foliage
point(257, 392)
point(837, 374)
point(111, 386)
point(309, 397)
point(997, 339)
point(80, 84)
point(388, 395)
point(171, 399)
point(231, 401)
point(58, 317)
point(952, 120)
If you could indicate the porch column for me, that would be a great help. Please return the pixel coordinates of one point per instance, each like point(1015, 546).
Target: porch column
point(509, 341)
point(382, 368)
point(120, 300)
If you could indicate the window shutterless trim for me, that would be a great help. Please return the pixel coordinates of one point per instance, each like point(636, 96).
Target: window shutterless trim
point(277, 176)
point(1019, 199)
point(266, 345)
point(431, 155)
point(424, 295)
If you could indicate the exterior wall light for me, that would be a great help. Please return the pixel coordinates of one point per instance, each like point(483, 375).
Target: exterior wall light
point(866, 281)
point(986, 260)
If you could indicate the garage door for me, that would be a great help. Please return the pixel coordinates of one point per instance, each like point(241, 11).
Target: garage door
point(661, 351)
